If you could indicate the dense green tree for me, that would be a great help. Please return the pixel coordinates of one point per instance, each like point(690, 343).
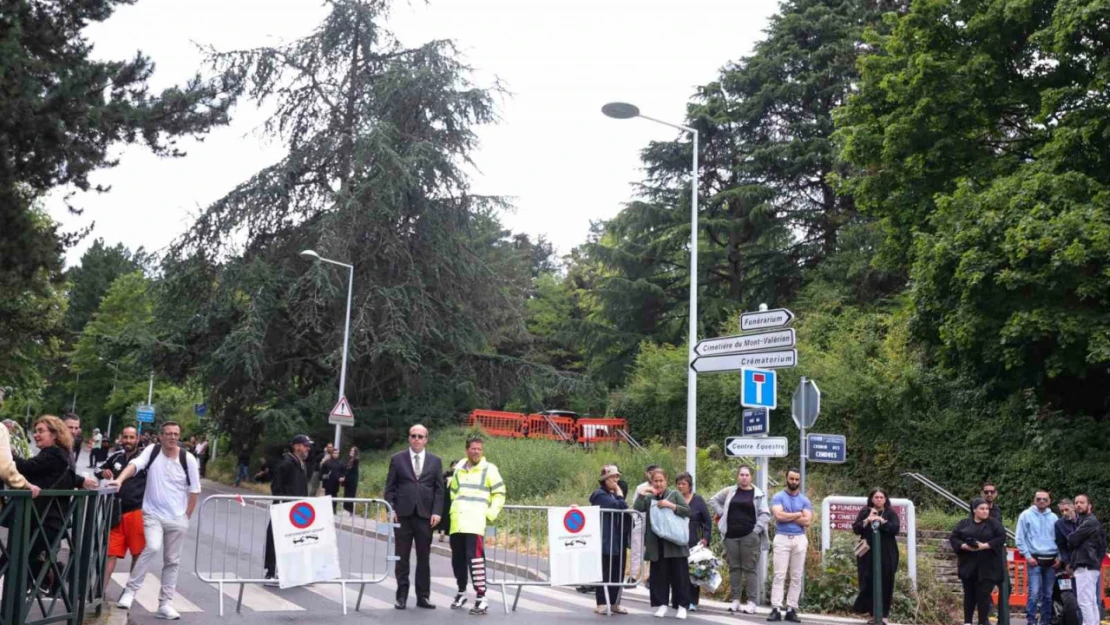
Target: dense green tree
point(89, 281)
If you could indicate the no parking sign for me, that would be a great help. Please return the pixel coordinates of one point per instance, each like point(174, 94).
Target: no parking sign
point(304, 541)
point(574, 545)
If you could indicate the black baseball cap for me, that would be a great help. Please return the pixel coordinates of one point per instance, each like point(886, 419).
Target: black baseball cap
point(301, 439)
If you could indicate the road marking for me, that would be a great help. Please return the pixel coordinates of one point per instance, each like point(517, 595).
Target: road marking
point(148, 594)
point(257, 599)
point(494, 594)
point(334, 593)
point(435, 597)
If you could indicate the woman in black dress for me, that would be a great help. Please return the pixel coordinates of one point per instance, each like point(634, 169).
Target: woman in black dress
point(877, 509)
point(350, 480)
point(979, 543)
point(701, 527)
point(333, 470)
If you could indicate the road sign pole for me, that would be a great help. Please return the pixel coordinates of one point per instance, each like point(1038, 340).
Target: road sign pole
point(764, 468)
point(346, 340)
point(802, 439)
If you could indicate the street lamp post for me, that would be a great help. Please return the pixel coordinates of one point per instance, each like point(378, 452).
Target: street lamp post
point(346, 327)
point(622, 110)
point(73, 404)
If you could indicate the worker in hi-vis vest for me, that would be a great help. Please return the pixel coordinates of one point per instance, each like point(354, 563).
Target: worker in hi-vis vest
point(477, 496)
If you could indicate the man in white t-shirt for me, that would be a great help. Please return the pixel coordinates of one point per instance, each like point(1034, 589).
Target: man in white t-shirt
point(172, 487)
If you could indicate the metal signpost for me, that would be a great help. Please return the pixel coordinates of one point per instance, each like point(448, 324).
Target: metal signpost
point(805, 407)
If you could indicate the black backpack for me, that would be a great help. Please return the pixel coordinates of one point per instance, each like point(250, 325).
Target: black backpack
point(181, 455)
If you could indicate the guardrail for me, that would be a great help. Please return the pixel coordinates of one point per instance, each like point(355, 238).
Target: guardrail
point(364, 538)
point(53, 554)
point(519, 542)
point(952, 499)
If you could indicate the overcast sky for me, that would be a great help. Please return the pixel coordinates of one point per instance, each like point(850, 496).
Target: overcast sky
point(562, 161)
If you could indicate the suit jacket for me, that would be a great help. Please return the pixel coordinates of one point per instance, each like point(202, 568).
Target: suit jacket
point(410, 494)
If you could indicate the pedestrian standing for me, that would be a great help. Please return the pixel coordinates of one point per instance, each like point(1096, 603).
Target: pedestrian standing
point(332, 471)
point(170, 496)
point(290, 479)
point(127, 533)
point(477, 497)
point(201, 452)
point(979, 543)
point(350, 480)
point(73, 423)
point(243, 465)
point(1036, 540)
point(1088, 543)
point(9, 474)
point(744, 515)
point(1066, 597)
point(636, 561)
point(316, 461)
point(989, 493)
point(793, 515)
point(877, 510)
point(414, 489)
point(444, 527)
point(670, 569)
point(610, 498)
point(701, 527)
point(94, 450)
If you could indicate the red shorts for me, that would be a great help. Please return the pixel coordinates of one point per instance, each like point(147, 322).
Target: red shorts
point(127, 536)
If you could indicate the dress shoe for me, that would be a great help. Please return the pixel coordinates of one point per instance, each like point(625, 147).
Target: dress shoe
point(400, 604)
point(424, 603)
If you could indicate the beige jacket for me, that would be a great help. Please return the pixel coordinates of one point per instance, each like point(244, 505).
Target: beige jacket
point(9, 475)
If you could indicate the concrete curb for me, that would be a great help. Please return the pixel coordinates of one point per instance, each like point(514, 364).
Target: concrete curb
point(110, 615)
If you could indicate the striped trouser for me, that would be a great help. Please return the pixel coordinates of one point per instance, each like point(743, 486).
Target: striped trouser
point(468, 555)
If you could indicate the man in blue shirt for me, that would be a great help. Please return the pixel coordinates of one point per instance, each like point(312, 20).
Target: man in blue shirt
point(793, 514)
point(1036, 540)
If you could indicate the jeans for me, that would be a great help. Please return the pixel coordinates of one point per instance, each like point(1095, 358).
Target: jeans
point(242, 474)
point(1041, 581)
point(167, 536)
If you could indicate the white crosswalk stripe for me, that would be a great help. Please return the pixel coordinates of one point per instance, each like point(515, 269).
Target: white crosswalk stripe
point(436, 598)
point(334, 592)
point(258, 599)
point(148, 594)
point(494, 595)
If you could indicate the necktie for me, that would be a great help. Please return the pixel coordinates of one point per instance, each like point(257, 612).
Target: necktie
point(416, 460)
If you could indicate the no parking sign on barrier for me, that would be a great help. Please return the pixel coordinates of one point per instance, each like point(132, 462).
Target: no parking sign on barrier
point(304, 541)
point(574, 544)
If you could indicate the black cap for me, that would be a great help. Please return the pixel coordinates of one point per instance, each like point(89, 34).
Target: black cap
point(301, 439)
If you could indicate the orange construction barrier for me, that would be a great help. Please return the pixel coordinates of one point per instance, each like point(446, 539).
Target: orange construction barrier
point(592, 430)
point(539, 426)
point(498, 423)
point(1019, 584)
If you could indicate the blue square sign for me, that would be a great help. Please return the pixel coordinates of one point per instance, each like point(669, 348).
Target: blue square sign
point(759, 389)
point(754, 421)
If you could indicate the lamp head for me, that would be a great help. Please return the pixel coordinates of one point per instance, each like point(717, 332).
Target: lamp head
point(620, 110)
point(310, 254)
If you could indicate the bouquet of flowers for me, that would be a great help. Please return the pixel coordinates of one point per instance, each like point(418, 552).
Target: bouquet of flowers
point(704, 568)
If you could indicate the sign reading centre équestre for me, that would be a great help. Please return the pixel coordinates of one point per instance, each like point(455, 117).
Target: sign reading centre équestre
point(742, 447)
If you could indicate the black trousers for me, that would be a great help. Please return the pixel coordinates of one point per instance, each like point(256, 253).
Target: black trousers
point(418, 530)
point(694, 594)
point(468, 555)
point(669, 578)
point(612, 571)
point(977, 597)
point(271, 556)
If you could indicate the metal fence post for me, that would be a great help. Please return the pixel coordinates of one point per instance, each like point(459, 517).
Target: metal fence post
point(1004, 595)
point(876, 573)
point(80, 573)
point(15, 580)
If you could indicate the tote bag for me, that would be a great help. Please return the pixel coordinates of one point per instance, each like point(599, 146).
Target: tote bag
point(668, 526)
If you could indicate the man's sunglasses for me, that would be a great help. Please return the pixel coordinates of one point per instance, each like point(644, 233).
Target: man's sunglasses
point(417, 436)
point(989, 492)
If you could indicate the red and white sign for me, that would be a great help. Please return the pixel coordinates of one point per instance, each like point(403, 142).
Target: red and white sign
point(843, 515)
point(342, 413)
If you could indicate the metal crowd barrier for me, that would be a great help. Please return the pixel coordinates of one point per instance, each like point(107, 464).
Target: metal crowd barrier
point(52, 555)
point(516, 550)
point(231, 543)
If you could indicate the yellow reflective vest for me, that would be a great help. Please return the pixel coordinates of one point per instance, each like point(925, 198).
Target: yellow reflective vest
point(477, 496)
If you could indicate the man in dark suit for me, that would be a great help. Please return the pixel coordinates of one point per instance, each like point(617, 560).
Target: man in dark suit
point(414, 488)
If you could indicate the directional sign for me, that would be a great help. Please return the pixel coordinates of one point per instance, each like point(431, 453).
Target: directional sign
point(826, 448)
point(769, 447)
point(758, 389)
point(735, 362)
point(342, 414)
point(806, 404)
point(200, 409)
point(765, 319)
point(755, 421)
point(746, 343)
point(144, 413)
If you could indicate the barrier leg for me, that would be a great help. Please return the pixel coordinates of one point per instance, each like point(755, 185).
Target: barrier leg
point(220, 591)
point(1004, 599)
point(358, 602)
point(505, 596)
point(239, 601)
point(343, 589)
point(516, 599)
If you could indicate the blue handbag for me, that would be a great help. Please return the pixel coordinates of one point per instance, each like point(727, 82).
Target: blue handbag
point(668, 525)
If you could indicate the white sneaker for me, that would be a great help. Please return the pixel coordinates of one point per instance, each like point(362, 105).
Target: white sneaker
point(735, 607)
point(748, 608)
point(125, 600)
point(167, 612)
point(661, 611)
point(681, 614)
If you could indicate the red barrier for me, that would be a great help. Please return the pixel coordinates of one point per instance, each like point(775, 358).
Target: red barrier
point(539, 426)
point(498, 423)
point(1019, 585)
point(600, 430)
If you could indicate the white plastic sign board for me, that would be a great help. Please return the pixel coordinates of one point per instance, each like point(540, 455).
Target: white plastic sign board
point(342, 414)
point(574, 545)
point(838, 513)
point(765, 447)
point(745, 343)
point(304, 541)
point(765, 319)
point(777, 359)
